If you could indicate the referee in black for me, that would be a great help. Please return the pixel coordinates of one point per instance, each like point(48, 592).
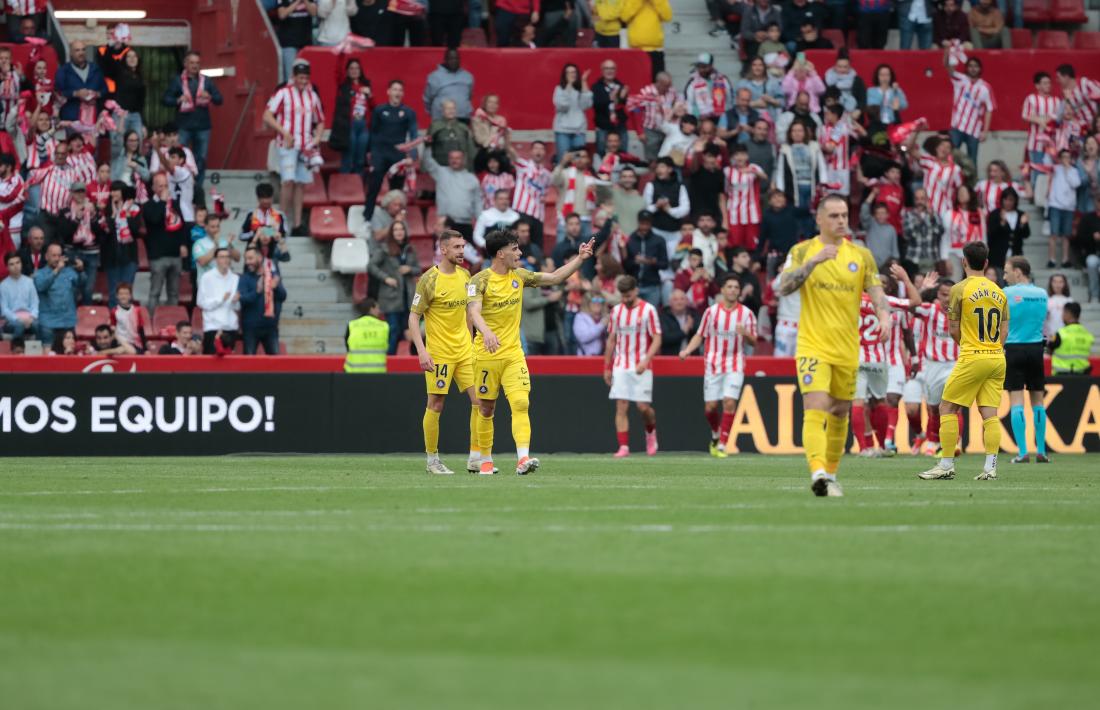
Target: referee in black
point(1027, 310)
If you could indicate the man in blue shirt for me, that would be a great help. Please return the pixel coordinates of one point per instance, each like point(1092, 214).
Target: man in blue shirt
point(1027, 310)
point(58, 285)
point(392, 124)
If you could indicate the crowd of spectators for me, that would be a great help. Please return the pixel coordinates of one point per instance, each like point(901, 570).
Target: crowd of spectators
point(87, 188)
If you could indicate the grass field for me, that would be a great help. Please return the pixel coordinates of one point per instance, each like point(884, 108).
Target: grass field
point(674, 582)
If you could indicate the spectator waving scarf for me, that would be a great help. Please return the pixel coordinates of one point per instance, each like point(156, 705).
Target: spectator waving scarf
point(189, 102)
point(569, 200)
point(497, 127)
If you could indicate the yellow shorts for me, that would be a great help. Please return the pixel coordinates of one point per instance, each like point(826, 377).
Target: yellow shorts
point(439, 381)
point(978, 380)
point(838, 381)
point(492, 374)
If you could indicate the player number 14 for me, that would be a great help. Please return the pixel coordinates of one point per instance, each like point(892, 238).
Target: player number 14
point(988, 328)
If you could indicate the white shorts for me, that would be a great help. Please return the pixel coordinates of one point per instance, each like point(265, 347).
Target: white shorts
point(629, 386)
point(935, 377)
point(786, 338)
point(896, 379)
point(871, 380)
point(723, 386)
point(913, 392)
point(292, 168)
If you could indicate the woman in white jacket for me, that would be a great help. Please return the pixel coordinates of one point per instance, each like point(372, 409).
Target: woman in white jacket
point(799, 171)
point(334, 26)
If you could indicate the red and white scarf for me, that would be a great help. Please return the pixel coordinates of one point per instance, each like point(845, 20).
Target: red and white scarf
point(82, 215)
point(173, 222)
point(99, 193)
point(617, 243)
point(569, 200)
point(407, 168)
point(190, 102)
point(122, 222)
point(497, 127)
point(265, 218)
point(269, 290)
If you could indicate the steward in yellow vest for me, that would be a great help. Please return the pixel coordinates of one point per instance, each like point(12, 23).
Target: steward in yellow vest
point(1069, 351)
point(367, 339)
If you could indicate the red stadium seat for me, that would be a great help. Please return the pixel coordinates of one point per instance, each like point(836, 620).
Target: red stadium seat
point(88, 317)
point(1021, 38)
point(415, 219)
point(165, 319)
point(1083, 39)
point(1036, 12)
point(473, 37)
point(346, 189)
point(834, 36)
point(1052, 39)
point(315, 193)
point(359, 288)
point(550, 229)
point(425, 251)
point(328, 223)
point(100, 288)
point(143, 255)
point(424, 183)
point(430, 215)
point(1068, 11)
point(5, 347)
point(586, 37)
point(332, 160)
point(187, 289)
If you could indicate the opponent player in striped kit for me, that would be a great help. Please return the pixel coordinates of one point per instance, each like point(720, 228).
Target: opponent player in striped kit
point(1040, 109)
point(632, 342)
point(742, 207)
point(939, 352)
point(726, 326)
point(971, 105)
point(899, 348)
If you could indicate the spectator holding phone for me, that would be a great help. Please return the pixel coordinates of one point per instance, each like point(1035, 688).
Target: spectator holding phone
point(58, 286)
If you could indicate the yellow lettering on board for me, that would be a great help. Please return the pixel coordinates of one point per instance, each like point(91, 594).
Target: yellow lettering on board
point(747, 420)
point(1089, 423)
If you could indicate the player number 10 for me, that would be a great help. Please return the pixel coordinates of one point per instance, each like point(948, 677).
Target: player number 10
point(988, 329)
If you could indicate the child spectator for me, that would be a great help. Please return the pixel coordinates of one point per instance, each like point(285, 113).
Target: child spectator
point(127, 318)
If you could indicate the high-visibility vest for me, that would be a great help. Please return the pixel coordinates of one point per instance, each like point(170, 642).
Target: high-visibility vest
point(1072, 354)
point(368, 339)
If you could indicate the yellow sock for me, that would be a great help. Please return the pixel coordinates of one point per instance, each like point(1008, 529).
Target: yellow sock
point(991, 434)
point(431, 431)
point(485, 436)
point(949, 434)
point(521, 423)
point(475, 446)
point(836, 436)
point(813, 438)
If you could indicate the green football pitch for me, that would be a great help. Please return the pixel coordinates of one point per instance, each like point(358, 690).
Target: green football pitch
point(672, 582)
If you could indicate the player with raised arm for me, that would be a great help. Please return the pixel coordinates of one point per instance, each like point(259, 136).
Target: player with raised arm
point(726, 326)
point(495, 308)
point(832, 274)
point(634, 338)
point(978, 315)
point(441, 296)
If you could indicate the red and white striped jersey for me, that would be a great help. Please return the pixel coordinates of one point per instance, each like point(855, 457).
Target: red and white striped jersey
point(901, 322)
point(298, 112)
point(871, 349)
point(1084, 98)
point(743, 193)
point(490, 183)
point(653, 105)
point(936, 343)
point(83, 165)
point(964, 227)
point(940, 182)
point(55, 180)
point(634, 330)
point(972, 101)
point(989, 193)
point(838, 138)
point(532, 182)
point(25, 7)
point(155, 166)
point(1038, 105)
point(725, 347)
point(13, 193)
point(40, 151)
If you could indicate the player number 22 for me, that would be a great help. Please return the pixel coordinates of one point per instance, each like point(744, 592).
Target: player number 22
point(988, 328)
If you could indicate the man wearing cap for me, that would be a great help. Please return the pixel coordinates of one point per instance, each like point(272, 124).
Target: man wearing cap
point(708, 91)
point(192, 95)
point(79, 229)
point(82, 85)
point(295, 113)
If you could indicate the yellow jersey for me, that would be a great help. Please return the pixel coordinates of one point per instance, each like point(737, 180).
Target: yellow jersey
point(980, 307)
point(441, 299)
point(828, 326)
point(501, 298)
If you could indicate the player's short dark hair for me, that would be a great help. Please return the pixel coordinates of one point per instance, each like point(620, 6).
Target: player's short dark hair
point(1039, 76)
point(1066, 70)
point(449, 234)
point(726, 278)
point(1075, 308)
point(831, 197)
point(1020, 263)
point(976, 255)
point(264, 191)
point(183, 324)
point(101, 328)
point(626, 284)
point(499, 239)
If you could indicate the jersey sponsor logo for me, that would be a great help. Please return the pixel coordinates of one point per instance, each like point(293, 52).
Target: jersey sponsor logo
point(515, 284)
point(853, 266)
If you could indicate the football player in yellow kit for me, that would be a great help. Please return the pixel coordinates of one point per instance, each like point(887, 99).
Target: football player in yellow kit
point(977, 316)
point(441, 299)
point(831, 274)
point(496, 307)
